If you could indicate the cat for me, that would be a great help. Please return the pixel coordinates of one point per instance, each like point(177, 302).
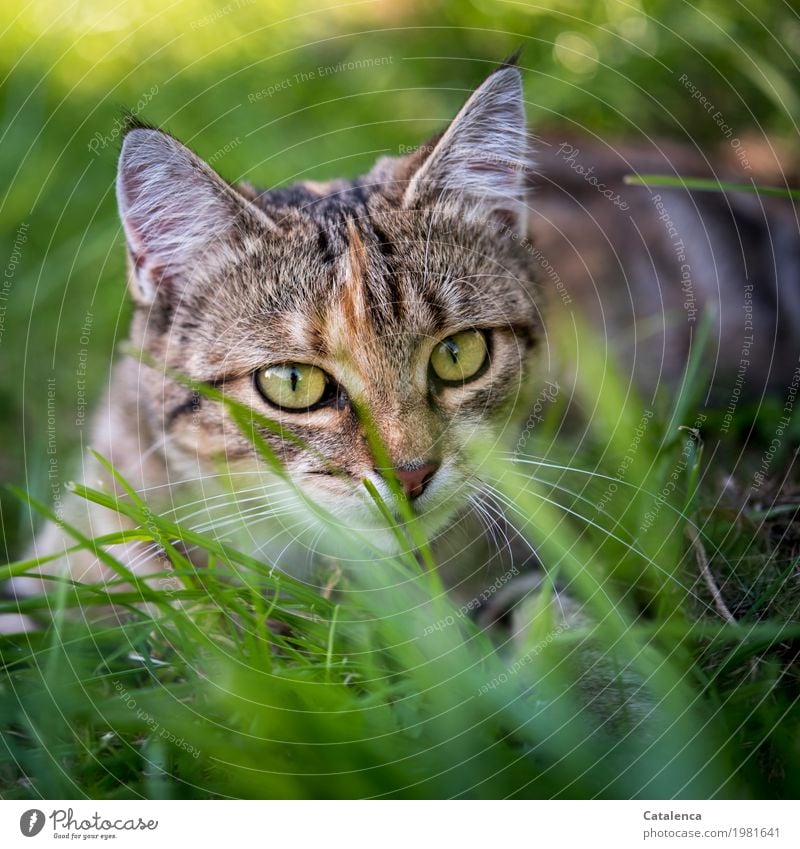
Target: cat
point(415, 292)
point(406, 293)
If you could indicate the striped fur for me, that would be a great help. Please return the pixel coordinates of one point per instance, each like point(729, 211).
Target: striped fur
point(361, 278)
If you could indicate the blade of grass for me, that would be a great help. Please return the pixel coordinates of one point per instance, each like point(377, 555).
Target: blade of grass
point(664, 181)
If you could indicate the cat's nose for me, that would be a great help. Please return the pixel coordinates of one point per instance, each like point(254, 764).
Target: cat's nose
point(415, 477)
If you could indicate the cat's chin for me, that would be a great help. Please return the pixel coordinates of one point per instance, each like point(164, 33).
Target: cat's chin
point(361, 528)
point(354, 525)
point(365, 540)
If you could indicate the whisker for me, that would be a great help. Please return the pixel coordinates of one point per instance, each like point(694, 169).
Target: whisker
point(638, 488)
point(257, 512)
point(489, 503)
point(251, 515)
point(233, 498)
point(210, 476)
point(510, 504)
point(490, 523)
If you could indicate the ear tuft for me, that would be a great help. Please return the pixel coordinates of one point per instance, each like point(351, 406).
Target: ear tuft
point(482, 158)
point(512, 61)
point(131, 121)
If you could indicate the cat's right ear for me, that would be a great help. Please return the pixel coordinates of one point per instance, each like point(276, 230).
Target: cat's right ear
point(481, 159)
point(178, 214)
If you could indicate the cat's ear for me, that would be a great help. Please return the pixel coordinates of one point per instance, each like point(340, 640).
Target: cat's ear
point(483, 156)
point(176, 212)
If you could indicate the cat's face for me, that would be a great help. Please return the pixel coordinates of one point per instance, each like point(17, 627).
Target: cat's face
point(399, 304)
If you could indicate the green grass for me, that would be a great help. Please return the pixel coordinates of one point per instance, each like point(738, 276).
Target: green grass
point(699, 185)
point(255, 685)
point(244, 682)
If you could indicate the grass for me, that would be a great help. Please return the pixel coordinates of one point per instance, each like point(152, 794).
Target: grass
point(698, 185)
point(240, 681)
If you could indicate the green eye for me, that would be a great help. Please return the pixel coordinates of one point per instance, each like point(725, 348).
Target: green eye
point(460, 357)
point(293, 386)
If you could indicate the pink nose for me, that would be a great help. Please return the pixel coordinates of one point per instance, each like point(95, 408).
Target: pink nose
point(415, 477)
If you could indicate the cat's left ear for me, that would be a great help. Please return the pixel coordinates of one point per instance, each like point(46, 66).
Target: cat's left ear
point(482, 158)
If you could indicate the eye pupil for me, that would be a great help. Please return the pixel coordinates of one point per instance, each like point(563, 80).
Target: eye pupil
point(295, 386)
point(460, 358)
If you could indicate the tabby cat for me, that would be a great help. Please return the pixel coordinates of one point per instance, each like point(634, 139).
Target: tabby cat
point(405, 294)
point(408, 296)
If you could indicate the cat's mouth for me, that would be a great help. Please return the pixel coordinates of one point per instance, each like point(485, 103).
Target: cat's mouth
point(398, 505)
point(364, 502)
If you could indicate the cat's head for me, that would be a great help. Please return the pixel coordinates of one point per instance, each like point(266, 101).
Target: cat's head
point(406, 293)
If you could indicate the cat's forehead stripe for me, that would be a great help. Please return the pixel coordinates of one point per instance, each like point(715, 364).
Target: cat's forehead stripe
point(348, 326)
point(357, 269)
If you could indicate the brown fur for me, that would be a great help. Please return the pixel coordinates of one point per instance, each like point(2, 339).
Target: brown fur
point(361, 279)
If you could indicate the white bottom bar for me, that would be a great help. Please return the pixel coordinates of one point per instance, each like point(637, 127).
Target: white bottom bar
point(399, 825)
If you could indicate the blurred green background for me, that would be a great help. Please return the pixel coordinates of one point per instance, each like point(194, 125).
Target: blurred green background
point(274, 91)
